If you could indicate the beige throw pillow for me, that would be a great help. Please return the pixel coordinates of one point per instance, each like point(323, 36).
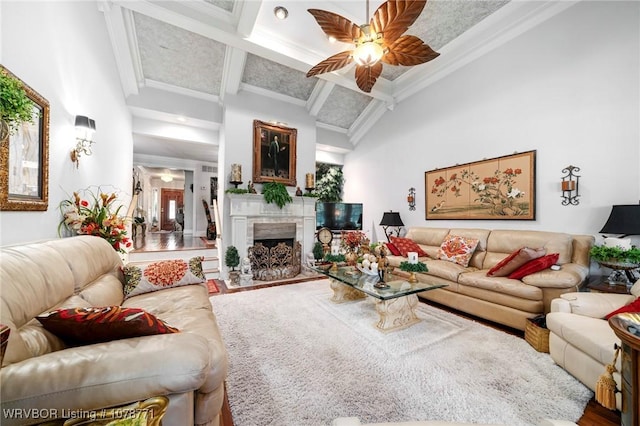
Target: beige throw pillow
point(515, 260)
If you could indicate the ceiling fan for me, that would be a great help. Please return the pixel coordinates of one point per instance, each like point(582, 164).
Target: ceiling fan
point(380, 40)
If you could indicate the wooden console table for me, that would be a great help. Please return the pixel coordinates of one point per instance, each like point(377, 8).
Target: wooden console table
point(630, 373)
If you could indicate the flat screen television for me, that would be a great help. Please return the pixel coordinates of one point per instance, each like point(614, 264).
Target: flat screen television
point(339, 216)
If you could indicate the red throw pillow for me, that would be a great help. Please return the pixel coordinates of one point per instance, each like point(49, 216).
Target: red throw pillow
point(631, 307)
point(393, 249)
point(535, 265)
point(515, 260)
point(405, 245)
point(96, 325)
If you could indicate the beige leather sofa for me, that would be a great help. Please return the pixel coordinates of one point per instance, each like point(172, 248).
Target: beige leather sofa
point(500, 299)
point(354, 421)
point(42, 376)
point(580, 340)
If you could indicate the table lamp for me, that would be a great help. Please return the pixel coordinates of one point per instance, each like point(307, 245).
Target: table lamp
point(391, 219)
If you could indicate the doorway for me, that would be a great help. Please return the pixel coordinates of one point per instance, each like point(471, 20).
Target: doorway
point(171, 209)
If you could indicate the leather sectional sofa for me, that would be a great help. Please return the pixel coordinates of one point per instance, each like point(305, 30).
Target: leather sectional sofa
point(500, 299)
point(42, 376)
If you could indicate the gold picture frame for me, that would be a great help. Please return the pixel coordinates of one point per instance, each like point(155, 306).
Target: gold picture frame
point(501, 188)
point(24, 160)
point(274, 153)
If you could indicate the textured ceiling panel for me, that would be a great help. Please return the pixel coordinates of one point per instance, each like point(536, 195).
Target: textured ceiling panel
point(181, 58)
point(222, 4)
point(342, 107)
point(278, 78)
point(442, 21)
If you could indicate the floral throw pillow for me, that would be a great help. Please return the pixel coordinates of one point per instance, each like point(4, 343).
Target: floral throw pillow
point(102, 324)
point(457, 249)
point(148, 277)
point(405, 245)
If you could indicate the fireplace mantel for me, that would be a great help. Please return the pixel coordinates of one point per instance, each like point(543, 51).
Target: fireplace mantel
point(247, 209)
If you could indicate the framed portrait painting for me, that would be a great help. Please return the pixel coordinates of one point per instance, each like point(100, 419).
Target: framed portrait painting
point(274, 153)
point(499, 188)
point(24, 158)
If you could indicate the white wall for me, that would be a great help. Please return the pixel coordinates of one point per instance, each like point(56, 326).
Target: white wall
point(237, 141)
point(568, 89)
point(58, 49)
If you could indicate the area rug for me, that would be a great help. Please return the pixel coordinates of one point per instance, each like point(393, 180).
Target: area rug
point(212, 286)
point(296, 358)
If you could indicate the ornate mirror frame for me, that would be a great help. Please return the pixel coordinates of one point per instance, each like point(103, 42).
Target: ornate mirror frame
point(24, 160)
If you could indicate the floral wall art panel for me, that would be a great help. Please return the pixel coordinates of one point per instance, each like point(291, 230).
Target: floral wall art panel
point(498, 188)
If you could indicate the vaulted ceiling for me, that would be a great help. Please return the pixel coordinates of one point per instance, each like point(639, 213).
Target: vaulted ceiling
point(178, 60)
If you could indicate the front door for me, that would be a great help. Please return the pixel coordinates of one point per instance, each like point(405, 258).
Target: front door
point(171, 208)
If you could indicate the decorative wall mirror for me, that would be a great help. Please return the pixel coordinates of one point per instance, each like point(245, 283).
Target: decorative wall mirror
point(24, 159)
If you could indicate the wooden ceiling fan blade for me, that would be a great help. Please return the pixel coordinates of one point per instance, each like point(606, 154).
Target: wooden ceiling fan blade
point(394, 17)
point(409, 50)
point(366, 77)
point(332, 63)
point(336, 26)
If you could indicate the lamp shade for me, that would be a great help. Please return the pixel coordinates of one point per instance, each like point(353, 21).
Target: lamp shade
point(391, 219)
point(85, 122)
point(624, 219)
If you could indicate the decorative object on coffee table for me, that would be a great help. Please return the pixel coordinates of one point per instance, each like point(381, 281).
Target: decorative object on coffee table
point(412, 268)
point(334, 259)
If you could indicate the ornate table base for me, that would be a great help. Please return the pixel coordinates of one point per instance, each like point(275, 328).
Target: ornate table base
point(343, 293)
point(396, 314)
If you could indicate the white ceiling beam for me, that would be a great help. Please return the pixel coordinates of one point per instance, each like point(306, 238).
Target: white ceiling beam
point(172, 131)
point(271, 94)
point(232, 71)
point(365, 121)
point(246, 14)
point(319, 95)
point(124, 43)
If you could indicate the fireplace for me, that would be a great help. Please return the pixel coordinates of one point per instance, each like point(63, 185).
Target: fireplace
point(275, 254)
point(248, 210)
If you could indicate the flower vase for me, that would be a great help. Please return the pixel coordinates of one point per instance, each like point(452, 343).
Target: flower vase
point(351, 257)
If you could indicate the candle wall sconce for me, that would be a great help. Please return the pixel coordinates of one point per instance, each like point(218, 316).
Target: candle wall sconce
point(411, 198)
point(570, 189)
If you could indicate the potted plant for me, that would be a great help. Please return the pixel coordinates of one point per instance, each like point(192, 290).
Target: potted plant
point(412, 268)
point(318, 251)
point(232, 260)
point(15, 106)
point(622, 261)
point(276, 192)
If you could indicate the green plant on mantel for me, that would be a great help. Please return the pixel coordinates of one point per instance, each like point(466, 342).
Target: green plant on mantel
point(276, 192)
point(15, 106)
point(615, 254)
point(237, 191)
point(413, 267)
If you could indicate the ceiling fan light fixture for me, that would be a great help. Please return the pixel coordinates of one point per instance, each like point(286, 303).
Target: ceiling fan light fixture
point(368, 54)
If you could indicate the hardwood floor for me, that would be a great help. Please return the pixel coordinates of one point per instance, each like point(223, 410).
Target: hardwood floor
point(169, 241)
point(594, 413)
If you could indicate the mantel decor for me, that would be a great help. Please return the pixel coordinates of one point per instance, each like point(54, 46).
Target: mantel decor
point(24, 157)
point(274, 153)
point(501, 188)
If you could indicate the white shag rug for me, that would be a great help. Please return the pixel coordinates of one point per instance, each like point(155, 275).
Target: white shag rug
point(298, 359)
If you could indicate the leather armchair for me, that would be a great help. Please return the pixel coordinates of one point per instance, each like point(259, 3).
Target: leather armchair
point(580, 339)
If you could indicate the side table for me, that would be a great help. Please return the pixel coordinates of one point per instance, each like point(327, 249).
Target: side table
point(627, 328)
point(599, 284)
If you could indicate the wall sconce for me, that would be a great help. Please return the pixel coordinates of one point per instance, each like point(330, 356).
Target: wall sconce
point(570, 182)
point(85, 127)
point(411, 198)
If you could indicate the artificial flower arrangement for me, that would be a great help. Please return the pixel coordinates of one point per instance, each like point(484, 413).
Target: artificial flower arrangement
point(95, 214)
point(353, 239)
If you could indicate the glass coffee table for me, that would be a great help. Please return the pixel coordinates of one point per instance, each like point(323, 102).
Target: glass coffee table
point(395, 299)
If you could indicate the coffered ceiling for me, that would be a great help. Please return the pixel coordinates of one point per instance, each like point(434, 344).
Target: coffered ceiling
point(178, 60)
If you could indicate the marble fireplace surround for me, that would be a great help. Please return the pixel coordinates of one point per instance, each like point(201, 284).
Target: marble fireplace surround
point(249, 209)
